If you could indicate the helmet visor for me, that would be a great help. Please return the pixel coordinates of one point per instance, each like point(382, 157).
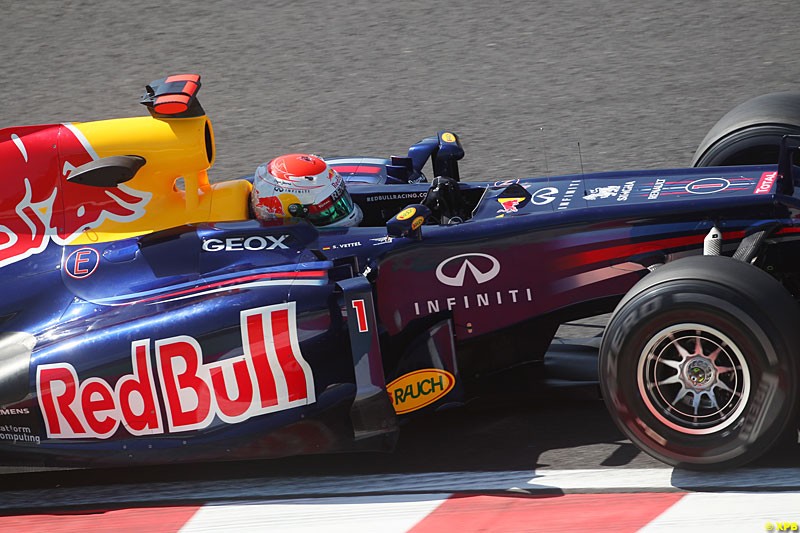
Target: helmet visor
point(333, 209)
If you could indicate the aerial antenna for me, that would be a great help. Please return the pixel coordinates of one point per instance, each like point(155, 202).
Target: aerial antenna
point(580, 157)
point(544, 151)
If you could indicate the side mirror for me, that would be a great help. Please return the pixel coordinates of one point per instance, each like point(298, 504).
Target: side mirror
point(444, 150)
point(408, 222)
point(445, 161)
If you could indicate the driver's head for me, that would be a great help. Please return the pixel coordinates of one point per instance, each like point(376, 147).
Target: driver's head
point(303, 185)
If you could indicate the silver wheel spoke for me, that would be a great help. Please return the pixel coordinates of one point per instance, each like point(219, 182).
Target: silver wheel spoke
point(697, 359)
point(681, 393)
point(696, 402)
point(670, 380)
point(681, 350)
point(670, 363)
point(722, 385)
point(713, 355)
point(713, 398)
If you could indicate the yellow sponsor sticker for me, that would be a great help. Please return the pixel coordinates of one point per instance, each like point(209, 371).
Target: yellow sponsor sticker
point(407, 213)
point(417, 222)
point(448, 137)
point(419, 389)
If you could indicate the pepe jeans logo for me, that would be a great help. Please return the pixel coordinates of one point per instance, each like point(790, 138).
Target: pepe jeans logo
point(467, 262)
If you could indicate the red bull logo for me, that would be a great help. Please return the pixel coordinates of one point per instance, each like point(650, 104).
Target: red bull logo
point(509, 205)
point(271, 205)
point(39, 205)
point(271, 375)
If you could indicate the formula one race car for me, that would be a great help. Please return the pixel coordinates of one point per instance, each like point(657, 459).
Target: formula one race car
point(149, 318)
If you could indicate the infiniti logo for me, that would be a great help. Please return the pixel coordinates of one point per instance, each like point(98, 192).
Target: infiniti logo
point(544, 196)
point(463, 259)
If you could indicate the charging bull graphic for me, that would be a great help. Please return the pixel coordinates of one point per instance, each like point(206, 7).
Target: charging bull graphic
point(38, 204)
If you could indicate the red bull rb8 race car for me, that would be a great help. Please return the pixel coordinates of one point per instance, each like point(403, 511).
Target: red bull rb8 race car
point(148, 317)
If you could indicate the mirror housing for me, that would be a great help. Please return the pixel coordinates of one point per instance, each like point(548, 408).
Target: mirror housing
point(408, 222)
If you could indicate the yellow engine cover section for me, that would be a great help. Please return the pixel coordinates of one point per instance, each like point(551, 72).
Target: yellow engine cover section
point(173, 148)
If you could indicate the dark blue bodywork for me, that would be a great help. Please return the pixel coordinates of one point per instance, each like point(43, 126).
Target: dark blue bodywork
point(98, 342)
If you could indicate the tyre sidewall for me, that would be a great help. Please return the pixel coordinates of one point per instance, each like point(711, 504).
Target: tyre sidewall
point(769, 358)
point(777, 113)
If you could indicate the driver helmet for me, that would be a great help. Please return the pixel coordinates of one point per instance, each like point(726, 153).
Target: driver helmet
point(303, 185)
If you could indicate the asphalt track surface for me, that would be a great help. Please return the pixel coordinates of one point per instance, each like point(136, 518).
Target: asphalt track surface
point(638, 84)
point(635, 85)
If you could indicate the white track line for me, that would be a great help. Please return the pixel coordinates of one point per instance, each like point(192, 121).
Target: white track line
point(729, 512)
point(641, 479)
point(387, 514)
point(573, 481)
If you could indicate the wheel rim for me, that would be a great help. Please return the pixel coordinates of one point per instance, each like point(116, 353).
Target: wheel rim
point(693, 379)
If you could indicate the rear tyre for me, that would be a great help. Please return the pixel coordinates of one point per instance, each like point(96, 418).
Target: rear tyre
point(697, 364)
point(750, 134)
